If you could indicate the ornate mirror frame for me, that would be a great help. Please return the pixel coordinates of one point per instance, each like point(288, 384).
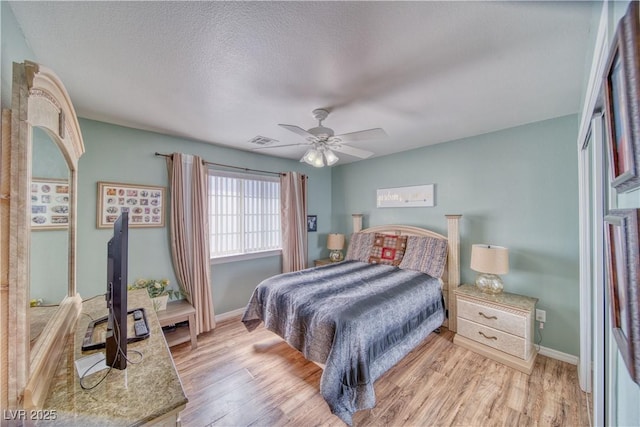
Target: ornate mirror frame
point(39, 99)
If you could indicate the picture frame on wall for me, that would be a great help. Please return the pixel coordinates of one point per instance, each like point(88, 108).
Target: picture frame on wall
point(312, 223)
point(622, 104)
point(145, 203)
point(49, 204)
point(406, 197)
point(622, 242)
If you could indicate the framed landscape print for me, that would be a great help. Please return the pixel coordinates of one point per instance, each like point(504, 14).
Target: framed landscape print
point(622, 239)
point(405, 197)
point(49, 203)
point(145, 204)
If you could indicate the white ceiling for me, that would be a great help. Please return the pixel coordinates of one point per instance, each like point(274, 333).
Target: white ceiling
point(225, 72)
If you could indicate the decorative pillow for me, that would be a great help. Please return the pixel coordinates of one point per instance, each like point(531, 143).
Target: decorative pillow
point(426, 254)
point(387, 249)
point(359, 247)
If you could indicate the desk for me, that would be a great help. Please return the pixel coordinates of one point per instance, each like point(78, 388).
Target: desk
point(176, 312)
point(147, 392)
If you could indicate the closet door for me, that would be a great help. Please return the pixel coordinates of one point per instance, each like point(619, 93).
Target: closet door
point(592, 310)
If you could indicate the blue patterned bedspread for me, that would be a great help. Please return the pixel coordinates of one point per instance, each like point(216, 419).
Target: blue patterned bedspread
point(358, 319)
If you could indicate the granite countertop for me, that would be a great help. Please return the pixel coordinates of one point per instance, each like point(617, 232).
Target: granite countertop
point(504, 298)
point(143, 392)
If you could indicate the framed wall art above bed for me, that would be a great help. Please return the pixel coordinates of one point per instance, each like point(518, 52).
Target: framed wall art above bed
point(145, 204)
point(406, 197)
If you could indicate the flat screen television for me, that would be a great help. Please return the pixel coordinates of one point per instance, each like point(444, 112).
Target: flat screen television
point(117, 258)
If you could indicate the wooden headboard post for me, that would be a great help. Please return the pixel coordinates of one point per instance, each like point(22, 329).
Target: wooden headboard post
point(357, 222)
point(453, 257)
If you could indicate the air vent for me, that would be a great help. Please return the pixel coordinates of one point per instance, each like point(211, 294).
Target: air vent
point(262, 140)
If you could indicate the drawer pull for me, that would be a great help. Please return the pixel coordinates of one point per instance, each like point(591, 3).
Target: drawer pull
point(489, 338)
point(487, 317)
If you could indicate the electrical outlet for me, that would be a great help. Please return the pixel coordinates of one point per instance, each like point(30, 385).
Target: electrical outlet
point(541, 315)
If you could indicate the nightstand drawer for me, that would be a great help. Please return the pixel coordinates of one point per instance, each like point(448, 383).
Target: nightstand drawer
point(494, 317)
point(494, 338)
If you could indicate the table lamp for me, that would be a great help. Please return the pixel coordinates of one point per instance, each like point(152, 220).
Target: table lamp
point(489, 261)
point(335, 243)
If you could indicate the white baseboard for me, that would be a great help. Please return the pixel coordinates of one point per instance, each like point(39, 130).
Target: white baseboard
point(558, 355)
point(229, 314)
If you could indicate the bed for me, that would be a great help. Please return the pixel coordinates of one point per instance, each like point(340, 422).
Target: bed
point(359, 317)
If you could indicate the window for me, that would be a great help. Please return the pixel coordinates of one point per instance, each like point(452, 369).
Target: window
point(244, 214)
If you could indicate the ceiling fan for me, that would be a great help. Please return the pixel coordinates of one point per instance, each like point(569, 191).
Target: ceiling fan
point(323, 142)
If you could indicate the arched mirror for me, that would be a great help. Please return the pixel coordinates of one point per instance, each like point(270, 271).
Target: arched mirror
point(38, 192)
point(49, 245)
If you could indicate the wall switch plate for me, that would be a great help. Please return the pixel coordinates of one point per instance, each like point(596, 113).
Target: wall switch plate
point(541, 315)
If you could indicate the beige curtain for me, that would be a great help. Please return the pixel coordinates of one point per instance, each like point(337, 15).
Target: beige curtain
point(293, 205)
point(190, 234)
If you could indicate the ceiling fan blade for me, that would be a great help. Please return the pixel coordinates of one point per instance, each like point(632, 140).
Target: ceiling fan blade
point(362, 135)
point(298, 130)
point(352, 151)
point(278, 146)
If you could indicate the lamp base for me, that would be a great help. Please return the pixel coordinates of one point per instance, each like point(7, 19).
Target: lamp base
point(489, 283)
point(336, 256)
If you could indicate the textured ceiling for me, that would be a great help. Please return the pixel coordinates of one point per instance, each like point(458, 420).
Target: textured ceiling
point(225, 72)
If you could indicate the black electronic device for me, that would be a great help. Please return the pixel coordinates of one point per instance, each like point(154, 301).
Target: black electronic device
point(117, 261)
point(140, 326)
point(94, 328)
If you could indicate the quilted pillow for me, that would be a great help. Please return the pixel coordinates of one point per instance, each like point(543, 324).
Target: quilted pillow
point(359, 247)
point(426, 254)
point(387, 249)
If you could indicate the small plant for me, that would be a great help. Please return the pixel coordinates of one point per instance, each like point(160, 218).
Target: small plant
point(156, 288)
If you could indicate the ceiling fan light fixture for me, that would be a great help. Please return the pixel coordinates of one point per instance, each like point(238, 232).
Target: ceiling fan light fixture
point(318, 162)
point(313, 157)
point(331, 157)
point(321, 138)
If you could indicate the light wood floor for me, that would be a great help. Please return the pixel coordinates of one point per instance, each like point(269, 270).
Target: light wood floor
point(237, 378)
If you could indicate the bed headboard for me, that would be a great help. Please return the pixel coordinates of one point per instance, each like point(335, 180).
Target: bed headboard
point(451, 277)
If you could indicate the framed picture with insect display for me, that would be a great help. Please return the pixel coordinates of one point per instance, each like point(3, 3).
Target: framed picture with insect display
point(145, 204)
point(49, 203)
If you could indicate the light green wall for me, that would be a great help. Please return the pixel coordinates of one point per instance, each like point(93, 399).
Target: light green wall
point(13, 48)
point(516, 188)
point(119, 154)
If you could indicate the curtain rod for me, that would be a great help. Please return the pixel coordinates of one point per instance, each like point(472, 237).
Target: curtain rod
point(229, 166)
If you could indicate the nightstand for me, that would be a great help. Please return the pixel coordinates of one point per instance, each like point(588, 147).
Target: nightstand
point(500, 326)
point(323, 261)
point(177, 312)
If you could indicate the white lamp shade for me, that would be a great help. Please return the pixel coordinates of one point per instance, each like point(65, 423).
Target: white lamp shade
point(490, 259)
point(312, 156)
point(330, 156)
point(318, 162)
point(335, 242)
